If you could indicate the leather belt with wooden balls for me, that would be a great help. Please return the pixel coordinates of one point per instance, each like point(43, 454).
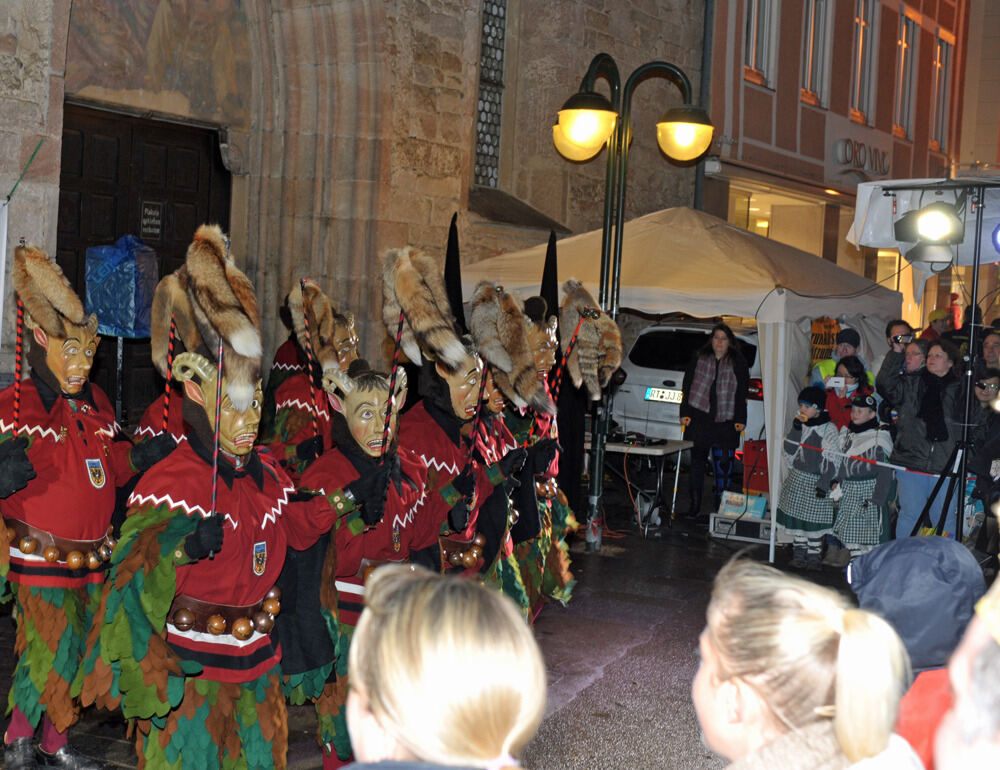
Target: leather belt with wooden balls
point(462, 553)
point(189, 614)
point(76, 554)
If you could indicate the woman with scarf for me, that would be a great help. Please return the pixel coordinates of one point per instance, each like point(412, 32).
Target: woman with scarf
point(861, 488)
point(714, 410)
point(804, 508)
point(930, 406)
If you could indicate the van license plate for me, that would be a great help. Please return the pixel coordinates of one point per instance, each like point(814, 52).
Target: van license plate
point(669, 395)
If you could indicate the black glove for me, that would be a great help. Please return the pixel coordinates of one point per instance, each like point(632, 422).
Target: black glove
point(512, 462)
point(458, 516)
point(541, 455)
point(206, 538)
point(820, 493)
point(309, 449)
point(465, 482)
point(15, 467)
point(368, 492)
point(146, 454)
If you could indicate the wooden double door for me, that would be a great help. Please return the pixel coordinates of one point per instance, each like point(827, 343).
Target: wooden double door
point(153, 179)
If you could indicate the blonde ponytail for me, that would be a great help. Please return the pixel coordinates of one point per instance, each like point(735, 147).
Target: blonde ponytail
point(809, 655)
point(873, 671)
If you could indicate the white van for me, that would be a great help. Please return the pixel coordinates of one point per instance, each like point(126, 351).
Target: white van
point(647, 403)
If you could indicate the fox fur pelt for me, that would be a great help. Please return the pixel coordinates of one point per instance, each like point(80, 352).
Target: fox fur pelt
point(170, 300)
point(49, 299)
point(598, 349)
point(225, 306)
point(322, 321)
point(412, 281)
point(499, 329)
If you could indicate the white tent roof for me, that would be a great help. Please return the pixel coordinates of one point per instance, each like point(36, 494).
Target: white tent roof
point(684, 260)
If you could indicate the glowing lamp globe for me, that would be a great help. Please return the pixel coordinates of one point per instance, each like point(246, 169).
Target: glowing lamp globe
point(684, 133)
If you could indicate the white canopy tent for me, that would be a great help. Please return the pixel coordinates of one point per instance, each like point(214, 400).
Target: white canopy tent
point(681, 260)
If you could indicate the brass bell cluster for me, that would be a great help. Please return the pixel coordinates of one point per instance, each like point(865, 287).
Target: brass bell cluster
point(75, 559)
point(261, 619)
point(468, 557)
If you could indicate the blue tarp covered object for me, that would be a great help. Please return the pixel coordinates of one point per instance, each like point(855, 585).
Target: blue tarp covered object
point(121, 280)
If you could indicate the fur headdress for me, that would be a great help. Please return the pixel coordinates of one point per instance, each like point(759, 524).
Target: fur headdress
point(598, 349)
point(212, 299)
point(412, 282)
point(322, 316)
point(49, 300)
point(501, 335)
point(170, 301)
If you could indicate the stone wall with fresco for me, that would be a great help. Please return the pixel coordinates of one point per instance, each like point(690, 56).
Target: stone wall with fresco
point(180, 58)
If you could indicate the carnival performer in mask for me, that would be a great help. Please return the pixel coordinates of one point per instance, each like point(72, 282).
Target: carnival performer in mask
point(61, 458)
point(363, 425)
point(301, 429)
point(439, 428)
point(184, 645)
point(540, 532)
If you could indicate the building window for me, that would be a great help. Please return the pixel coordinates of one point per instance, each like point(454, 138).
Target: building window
point(757, 48)
point(941, 94)
point(906, 57)
point(489, 106)
point(862, 75)
point(814, 52)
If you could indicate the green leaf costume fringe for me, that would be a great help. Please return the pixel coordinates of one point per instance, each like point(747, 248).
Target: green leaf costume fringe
point(52, 626)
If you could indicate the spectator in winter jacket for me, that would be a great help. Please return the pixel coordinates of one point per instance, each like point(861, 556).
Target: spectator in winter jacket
point(930, 405)
point(848, 343)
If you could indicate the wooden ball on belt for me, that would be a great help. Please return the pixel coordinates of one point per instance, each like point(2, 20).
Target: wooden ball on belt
point(262, 621)
point(274, 593)
point(93, 560)
point(104, 552)
point(456, 558)
point(183, 619)
point(468, 560)
point(272, 606)
point(51, 553)
point(217, 624)
point(242, 628)
point(479, 539)
point(476, 551)
point(74, 560)
point(28, 544)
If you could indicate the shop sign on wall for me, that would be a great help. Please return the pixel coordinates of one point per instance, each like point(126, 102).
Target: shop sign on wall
point(862, 156)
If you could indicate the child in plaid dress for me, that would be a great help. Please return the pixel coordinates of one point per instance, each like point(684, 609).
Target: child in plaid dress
point(861, 488)
point(804, 508)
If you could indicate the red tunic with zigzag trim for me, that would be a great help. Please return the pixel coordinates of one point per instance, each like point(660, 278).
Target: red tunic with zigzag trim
point(295, 395)
point(151, 423)
point(261, 522)
point(404, 522)
point(444, 456)
point(78, 463)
